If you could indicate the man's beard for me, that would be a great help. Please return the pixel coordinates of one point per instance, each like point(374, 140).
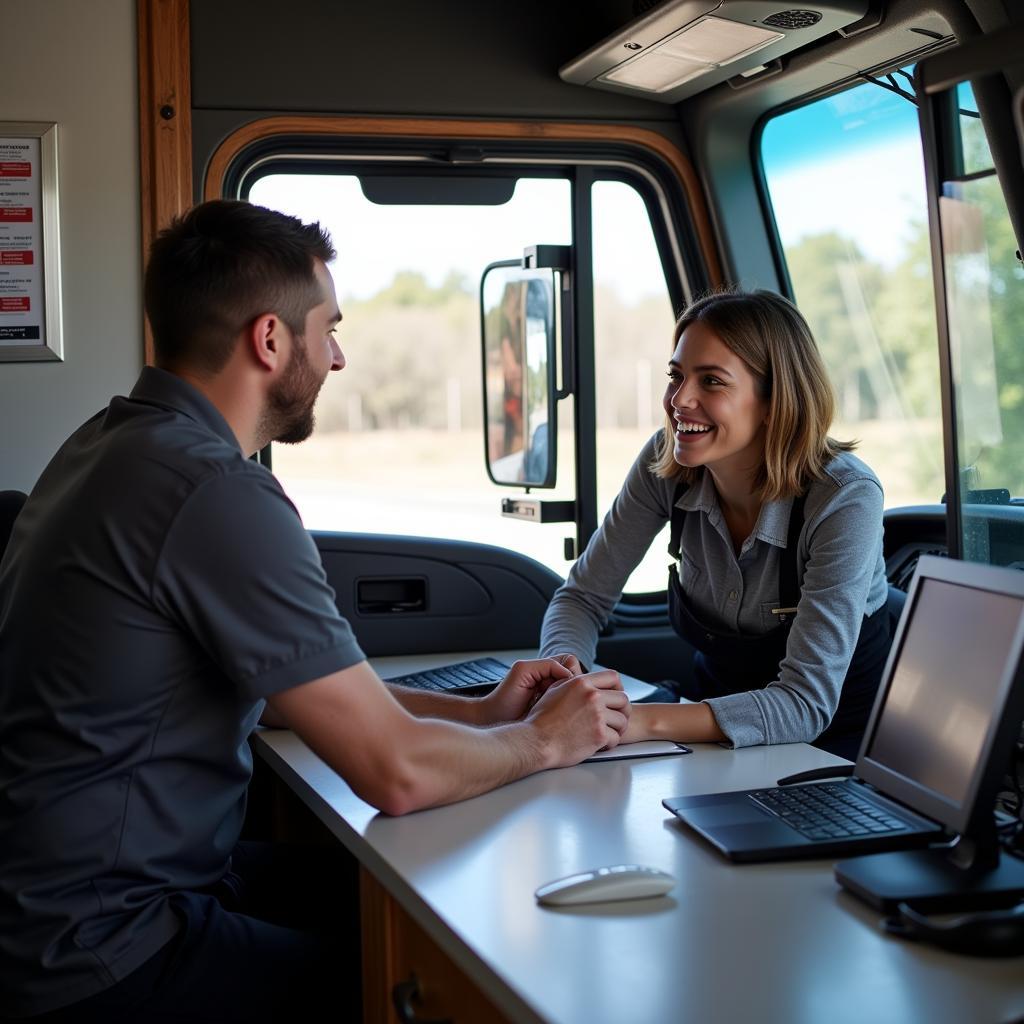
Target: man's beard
point(289, 414)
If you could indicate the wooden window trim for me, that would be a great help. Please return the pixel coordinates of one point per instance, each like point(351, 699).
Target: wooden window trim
point(165, 119)
point(333, 127)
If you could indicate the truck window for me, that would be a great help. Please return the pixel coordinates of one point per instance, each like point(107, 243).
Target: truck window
point(985, 303)
point(398, 445)
point(633, 320)
point(845, 182)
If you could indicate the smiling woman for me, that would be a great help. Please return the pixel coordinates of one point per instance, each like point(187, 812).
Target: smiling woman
point(764, 389)
point(776, 531)
point(716, 409)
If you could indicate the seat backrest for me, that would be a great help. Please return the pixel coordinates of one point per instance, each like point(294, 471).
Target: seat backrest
point(10, 506)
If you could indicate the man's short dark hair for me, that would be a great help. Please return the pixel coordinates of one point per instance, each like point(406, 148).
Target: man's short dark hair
point(218, 267)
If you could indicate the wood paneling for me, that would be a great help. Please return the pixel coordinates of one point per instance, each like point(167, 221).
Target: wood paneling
point(165, 118)
point(396, 951)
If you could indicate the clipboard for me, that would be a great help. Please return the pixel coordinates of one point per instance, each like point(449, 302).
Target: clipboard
point(643, 748)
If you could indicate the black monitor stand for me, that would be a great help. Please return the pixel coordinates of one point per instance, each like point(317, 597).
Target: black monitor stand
point(970, 875)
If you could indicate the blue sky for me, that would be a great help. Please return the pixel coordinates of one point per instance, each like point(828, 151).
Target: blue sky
point(851, 164)
point(865, 116)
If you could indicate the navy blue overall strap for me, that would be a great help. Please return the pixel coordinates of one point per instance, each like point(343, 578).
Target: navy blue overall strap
point(789, 578)
point(789, 581)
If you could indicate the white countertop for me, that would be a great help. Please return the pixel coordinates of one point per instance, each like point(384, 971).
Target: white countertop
point(772, 942)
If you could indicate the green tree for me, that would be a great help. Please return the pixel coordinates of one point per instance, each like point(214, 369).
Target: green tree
point(875, 327)
point(1002, 289)
point(835, 287)
point(413, 359)
point(904, 311)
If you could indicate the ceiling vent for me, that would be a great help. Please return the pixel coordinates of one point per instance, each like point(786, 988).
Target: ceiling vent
point(682, 47)
point(793, 19)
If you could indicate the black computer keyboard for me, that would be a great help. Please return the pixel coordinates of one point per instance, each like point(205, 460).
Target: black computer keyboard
point(826, 811)
point(477, 676)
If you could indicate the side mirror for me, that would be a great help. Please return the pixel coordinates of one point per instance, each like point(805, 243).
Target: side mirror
point(517, 309)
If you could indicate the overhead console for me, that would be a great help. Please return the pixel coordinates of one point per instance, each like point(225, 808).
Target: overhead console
point(683, 47)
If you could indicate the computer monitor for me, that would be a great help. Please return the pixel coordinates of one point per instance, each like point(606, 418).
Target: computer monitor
point(940, 735)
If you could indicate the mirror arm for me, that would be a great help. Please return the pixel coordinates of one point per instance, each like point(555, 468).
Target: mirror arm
point(566, 387)
point(558, 257)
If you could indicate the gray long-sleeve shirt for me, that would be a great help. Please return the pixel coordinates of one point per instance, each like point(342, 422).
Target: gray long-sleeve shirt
point(839, 560)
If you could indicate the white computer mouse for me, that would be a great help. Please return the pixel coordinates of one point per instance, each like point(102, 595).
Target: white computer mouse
point(616, 882)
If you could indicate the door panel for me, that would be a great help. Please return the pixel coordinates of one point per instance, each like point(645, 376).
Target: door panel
point(411, 595)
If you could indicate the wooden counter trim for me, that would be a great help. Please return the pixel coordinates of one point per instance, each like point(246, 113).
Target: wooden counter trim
point(396, 950)
point(553, 131)
point(165, 118)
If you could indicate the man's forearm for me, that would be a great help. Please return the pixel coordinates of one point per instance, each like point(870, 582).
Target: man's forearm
point(446, 762)
point(400, 761)
point(427, 704)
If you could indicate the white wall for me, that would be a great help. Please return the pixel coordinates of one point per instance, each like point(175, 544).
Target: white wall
point(74, 62)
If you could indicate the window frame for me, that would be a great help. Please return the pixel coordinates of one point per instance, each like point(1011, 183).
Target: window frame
point(939, 66)
point(936, 82)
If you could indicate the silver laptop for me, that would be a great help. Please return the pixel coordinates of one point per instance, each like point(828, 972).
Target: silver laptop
point(937, 741)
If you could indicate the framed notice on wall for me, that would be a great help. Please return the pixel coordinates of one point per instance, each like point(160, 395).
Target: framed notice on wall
point(30, 316)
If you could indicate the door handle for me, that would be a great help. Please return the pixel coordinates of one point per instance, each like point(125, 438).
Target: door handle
point(388, 595)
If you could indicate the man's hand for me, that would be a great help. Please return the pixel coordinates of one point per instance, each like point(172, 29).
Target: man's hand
point(525, 684)
point(571, 662)
point(580, 716)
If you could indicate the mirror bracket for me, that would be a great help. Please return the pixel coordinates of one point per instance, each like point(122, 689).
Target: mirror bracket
point(537, 511)
point(565, 388)
point(557, 257)
point(547, 257)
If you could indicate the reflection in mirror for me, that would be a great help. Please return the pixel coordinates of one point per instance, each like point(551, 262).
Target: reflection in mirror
point(517, 312)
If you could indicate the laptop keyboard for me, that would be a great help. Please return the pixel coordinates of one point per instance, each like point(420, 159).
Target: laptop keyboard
point(480, 672)
point(826, 811)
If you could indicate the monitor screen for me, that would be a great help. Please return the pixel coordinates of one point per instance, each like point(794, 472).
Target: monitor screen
point(946, 687)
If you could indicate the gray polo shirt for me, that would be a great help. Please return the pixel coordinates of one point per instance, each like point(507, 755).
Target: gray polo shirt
point(157, 587)
point(839, 560)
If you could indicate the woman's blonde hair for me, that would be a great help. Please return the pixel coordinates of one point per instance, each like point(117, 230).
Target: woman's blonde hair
point(771, 336)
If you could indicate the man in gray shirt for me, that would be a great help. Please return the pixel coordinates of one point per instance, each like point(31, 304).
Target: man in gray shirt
point(157, 596)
